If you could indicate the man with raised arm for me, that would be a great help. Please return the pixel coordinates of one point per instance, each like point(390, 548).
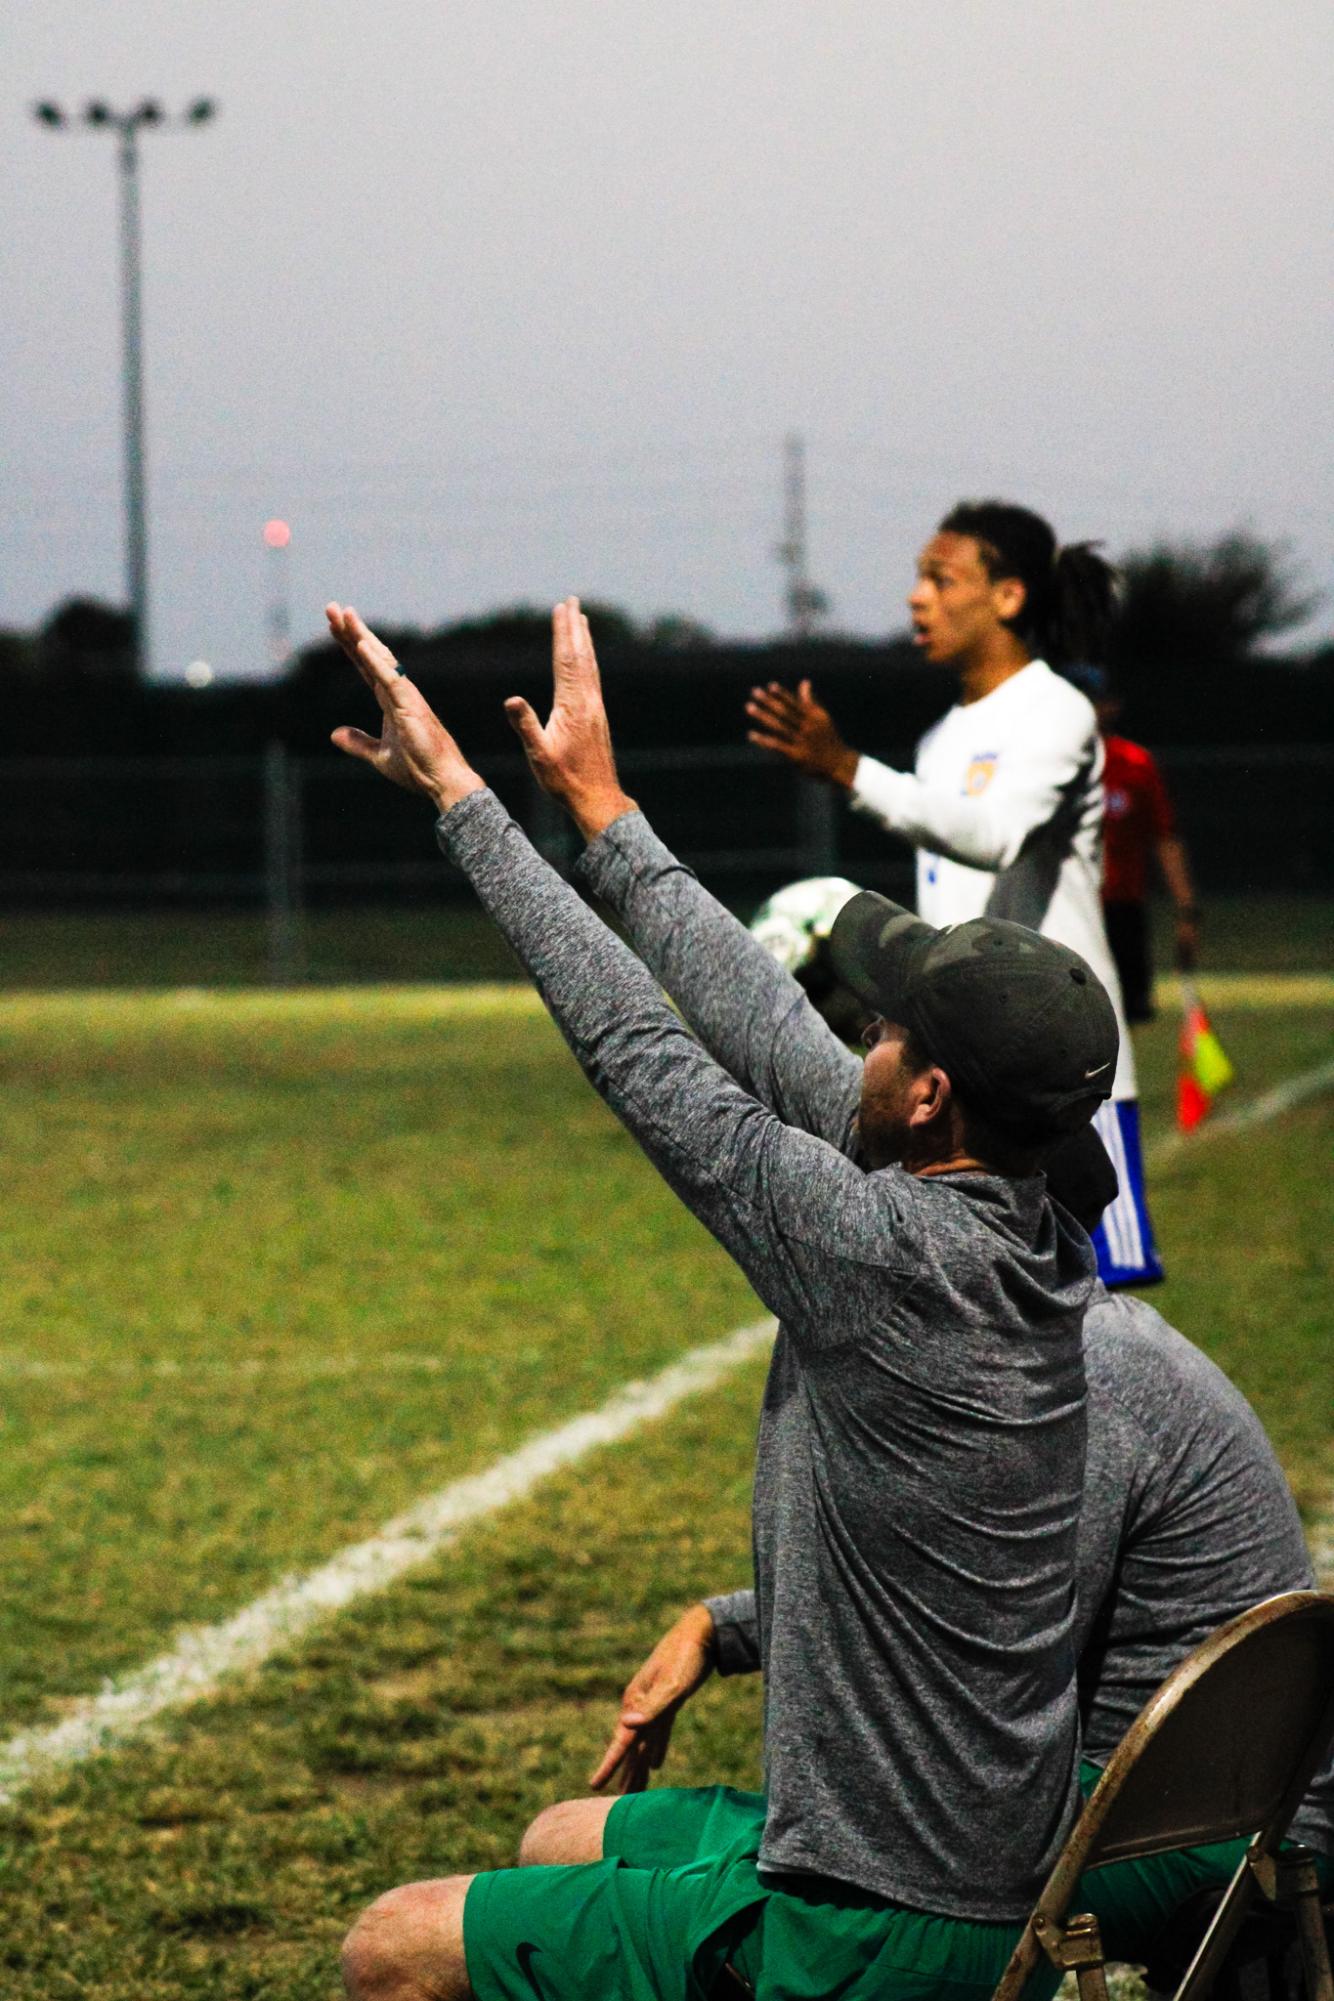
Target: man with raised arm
point(921, 1447)
point(1186, 1520)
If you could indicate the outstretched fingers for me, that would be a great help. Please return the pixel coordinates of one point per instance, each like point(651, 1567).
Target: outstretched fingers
point(574, 664)
point(775, 727)
point(775, 701)
point(563, 620)
point(586, 660)
point(368, 653)
point(618, 1749)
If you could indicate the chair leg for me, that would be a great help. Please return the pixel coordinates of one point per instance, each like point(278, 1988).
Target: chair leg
point(1081, 1953)
point(1299, 1888)
point(1212, 1950)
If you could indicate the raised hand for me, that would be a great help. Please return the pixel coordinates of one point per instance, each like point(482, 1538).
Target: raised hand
point(680, 1663)
point(570, 755)
point(414, 748)
point(801, 730)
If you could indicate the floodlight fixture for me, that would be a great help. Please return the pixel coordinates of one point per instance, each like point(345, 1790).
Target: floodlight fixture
point(127, 125)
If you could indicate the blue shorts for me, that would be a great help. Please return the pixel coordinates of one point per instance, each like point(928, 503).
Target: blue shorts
point(1127, 1254)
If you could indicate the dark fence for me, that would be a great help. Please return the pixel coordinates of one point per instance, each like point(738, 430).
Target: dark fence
point(284, 832)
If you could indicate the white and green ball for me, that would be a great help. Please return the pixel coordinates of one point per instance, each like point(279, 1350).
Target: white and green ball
point(795, 920)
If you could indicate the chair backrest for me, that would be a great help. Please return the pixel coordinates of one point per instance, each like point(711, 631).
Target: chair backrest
point(1226, 1747)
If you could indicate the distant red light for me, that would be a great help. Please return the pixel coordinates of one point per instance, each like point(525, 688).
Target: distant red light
point(277, 534)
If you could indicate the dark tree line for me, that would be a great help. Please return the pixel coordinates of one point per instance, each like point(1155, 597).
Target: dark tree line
point(1192, 608)
point(83, 642)
point(1197, 649)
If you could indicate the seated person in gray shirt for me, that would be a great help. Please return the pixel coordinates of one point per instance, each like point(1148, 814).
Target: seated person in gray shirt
point(921, 1448)
point(1186, 1520)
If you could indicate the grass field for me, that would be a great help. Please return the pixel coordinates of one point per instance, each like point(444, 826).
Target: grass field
point(278, 1265)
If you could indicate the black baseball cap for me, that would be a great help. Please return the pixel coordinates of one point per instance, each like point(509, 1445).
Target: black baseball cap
point(1022, 1026)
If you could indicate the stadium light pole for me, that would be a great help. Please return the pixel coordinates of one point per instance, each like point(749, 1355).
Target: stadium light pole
point(127, 126)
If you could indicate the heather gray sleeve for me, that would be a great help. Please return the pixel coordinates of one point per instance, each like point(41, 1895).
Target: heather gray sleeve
point(736, 1632)
point(789, 1208)
point(747, 1011)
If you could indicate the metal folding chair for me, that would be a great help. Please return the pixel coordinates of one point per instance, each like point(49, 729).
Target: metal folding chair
point(1226, 1748)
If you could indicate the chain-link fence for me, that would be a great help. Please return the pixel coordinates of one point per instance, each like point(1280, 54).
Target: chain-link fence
point(287, 834)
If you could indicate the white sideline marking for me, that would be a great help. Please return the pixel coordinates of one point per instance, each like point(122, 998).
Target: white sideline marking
point(203, 1655)
point(1284, 1097)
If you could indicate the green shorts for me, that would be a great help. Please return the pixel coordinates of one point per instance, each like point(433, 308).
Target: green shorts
point(678, 1893)
point(1132, 1901)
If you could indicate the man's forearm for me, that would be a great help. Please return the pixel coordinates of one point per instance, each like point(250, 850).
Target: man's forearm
point(1176, 872)
point(751, 1015)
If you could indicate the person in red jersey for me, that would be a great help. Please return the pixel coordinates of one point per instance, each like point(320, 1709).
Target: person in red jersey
point(1138, 824)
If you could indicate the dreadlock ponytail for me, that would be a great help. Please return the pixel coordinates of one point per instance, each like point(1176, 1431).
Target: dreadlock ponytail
point(1084, 596)
point(1070, 595)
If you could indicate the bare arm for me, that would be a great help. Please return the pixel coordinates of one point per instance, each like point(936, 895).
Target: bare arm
point(1175, 865)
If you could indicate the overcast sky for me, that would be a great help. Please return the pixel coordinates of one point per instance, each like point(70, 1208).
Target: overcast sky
point(496, 299)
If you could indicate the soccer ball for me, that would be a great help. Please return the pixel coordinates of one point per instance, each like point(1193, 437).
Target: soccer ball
point(795, 921)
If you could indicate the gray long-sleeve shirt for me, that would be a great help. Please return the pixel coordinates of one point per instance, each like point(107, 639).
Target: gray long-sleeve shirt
point(1187, 1518)
point(920, 1457)
point(1186, 1521)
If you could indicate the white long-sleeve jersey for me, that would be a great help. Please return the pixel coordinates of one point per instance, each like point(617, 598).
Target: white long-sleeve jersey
point(1005, 811)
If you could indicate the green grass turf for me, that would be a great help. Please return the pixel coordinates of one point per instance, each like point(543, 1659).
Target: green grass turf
point(276, 1267)
point(452, 941)
point(243, 1229)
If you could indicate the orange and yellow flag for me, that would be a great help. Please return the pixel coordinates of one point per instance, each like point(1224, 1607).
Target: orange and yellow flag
point(1205, 1069)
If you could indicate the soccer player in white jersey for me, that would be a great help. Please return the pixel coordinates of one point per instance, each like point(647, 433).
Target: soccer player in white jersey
point(1004, 805)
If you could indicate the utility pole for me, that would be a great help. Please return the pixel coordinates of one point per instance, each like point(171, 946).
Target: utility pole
point(127, 126)
point(277, 537)
point(802, 602)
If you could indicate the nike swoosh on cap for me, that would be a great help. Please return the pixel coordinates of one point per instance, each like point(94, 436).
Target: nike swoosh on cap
point(1097, 1070)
